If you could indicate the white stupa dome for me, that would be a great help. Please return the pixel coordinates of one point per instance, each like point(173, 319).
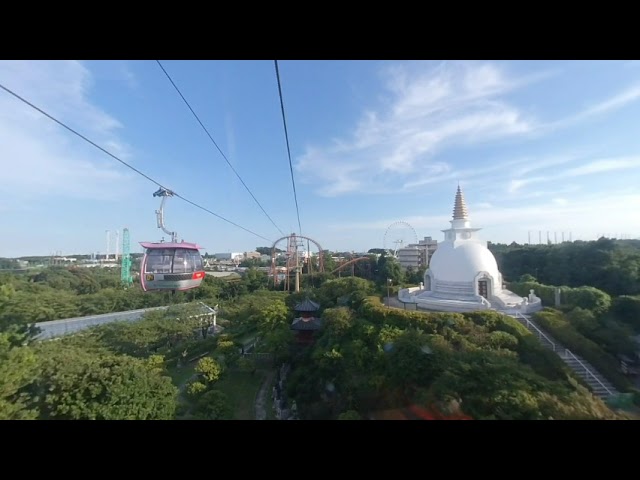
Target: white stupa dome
point(462, 262)
point(463, 274)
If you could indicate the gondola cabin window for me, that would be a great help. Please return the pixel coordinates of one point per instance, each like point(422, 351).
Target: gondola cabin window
point(168, 260)
point(159, 260)
point(181, 261)
point(195, 261)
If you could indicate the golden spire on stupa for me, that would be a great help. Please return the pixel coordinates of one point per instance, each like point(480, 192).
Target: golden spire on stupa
point(460, 207)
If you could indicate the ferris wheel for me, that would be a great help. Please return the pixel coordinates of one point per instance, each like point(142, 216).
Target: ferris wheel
point(399, 235)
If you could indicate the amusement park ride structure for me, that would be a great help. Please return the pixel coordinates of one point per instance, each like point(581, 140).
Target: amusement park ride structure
point(352, 263)
point(295, 246)
point(398, 235)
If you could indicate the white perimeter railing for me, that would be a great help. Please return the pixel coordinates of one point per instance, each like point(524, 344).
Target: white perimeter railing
point(529, 323)
point(567, 351)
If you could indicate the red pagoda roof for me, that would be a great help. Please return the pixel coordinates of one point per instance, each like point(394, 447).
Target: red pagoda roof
point(310, 323)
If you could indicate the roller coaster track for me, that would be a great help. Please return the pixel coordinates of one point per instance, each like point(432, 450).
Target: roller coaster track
point(292, 246)
point(350, 262)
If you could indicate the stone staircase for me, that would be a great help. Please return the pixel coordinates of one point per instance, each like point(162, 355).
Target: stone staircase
point(599, 385)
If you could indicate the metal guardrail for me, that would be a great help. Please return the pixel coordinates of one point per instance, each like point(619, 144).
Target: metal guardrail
point(567, 351)
point(65, 326)
point(535, 327)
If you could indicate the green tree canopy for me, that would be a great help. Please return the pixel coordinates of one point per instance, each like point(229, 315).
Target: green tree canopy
point(209, 370)
point(18, 368)
point(77, 384)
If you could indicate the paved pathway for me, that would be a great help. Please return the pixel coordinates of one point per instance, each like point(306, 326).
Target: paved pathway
point(395, 303)
point(263, 397)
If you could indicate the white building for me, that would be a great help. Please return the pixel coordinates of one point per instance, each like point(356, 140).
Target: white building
point(418, 254)
point(229, 256)
point(410, 256)
point(463, 274)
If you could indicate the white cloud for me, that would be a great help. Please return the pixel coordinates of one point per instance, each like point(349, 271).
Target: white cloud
point(514, 185)
point(402, 145)
point(617, 101)
point(614, 102)
point(39, 158)
point(584, 216)
point(567, 190)
point(604, 165)
point(428, 111)
point(129, 77)
point(484, 205)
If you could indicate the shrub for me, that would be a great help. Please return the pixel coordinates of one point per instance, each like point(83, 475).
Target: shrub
point(214, 405)
point(499, 339)
point(429, 322)
point(589, 298)
point(627, 310)
point(545, 292)
point(209, 369)
point(349, 415)
point(531, 351)
point(194, 389)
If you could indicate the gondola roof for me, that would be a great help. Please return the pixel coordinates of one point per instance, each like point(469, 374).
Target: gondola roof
point(192, 246)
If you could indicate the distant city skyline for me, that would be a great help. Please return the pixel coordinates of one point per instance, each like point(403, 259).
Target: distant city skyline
point(534, 241)
point(535, 145)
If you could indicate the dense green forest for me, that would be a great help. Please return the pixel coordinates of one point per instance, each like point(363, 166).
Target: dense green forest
point(599, 284)
point(58, 292)
point(481, 365)
point(612, 266)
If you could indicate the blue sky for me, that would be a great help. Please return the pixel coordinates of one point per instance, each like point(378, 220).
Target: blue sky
point(535, 145)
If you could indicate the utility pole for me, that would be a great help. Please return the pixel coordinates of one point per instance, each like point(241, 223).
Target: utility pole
point(297, 270)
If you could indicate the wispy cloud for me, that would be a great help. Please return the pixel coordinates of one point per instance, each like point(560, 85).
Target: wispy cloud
point(403, 145)
point(129, 77)
point(617, 101)
point(614, 102)
point(454, 103)
point(39, 158)
point(604, 165)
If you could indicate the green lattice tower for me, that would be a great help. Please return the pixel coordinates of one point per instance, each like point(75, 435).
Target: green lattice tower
point(125, 270)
